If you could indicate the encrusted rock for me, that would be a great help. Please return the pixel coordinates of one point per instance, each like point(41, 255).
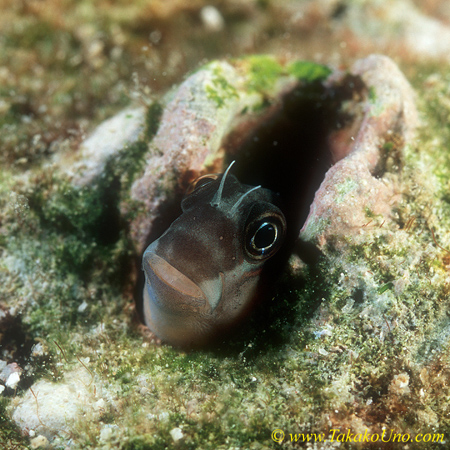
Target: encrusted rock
point(232, 98)
point(105, 142)
point(205, 121)
point(355, 188)
point(50, 409)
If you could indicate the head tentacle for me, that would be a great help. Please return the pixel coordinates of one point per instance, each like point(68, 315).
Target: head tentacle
point(236, 205)
point(218, 195)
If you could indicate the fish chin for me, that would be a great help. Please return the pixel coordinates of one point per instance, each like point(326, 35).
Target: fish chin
point(179, 330)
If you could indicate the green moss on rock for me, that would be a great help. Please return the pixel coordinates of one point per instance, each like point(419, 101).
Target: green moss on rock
point(308, 71)
point(264, 72)
point(10, 435)
point(153, 119)
point(220, 89)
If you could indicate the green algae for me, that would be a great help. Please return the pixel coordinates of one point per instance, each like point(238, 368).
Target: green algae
point(69, 239)
point(308, 71)
point(315, 228)
point(153, 119)
point(220, 90)
point(265, 71)
point(345, 188)
point(10, 436)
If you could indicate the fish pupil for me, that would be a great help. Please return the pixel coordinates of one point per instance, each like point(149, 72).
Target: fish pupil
point(264, 237)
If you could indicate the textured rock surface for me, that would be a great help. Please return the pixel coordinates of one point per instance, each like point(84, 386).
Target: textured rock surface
point(194, 125)
point(196, 119)
point(112, 136)
point(50, 409)
point(360, 186)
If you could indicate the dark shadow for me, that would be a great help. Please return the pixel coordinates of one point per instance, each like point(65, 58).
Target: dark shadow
point(16, 342)
point(290, 151)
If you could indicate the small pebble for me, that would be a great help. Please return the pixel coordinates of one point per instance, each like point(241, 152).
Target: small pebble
point(212, 19)
point(39, 442)
point(13, 380)
point(176, 434)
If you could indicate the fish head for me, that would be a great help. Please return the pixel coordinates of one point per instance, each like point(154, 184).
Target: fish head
point(202, 275)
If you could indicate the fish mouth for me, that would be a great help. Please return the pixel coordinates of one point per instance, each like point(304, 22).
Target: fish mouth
point(168, 282)
point(171, 277)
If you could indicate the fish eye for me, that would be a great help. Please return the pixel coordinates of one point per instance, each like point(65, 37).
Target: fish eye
point(264, 236)
point(201, 182)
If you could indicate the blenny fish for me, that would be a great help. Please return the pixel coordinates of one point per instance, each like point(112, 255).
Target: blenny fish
point(203, 275)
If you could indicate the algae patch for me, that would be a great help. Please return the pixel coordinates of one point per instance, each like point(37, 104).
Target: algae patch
point(265, 71)
point(219, 89)
point(308, 71)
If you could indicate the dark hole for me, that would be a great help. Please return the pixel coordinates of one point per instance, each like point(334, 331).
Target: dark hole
point(15, 346)
point(358, 296)
point(290, 151)
point(339, 10)
point(107, 228)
